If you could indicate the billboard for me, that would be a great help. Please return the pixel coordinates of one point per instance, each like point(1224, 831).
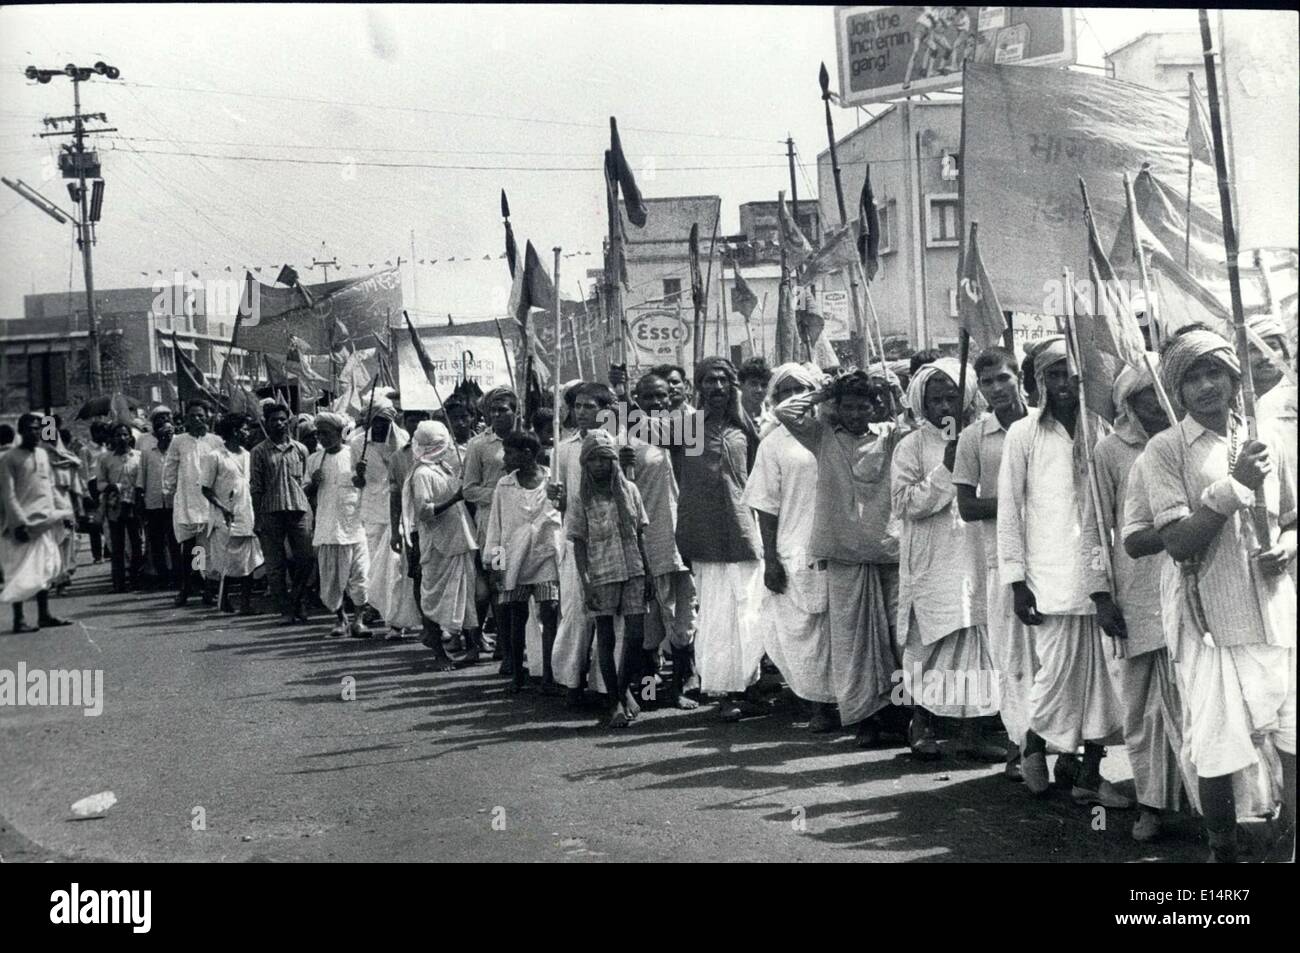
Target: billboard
point(892, 52)
point(460, 351)
point(659, 336)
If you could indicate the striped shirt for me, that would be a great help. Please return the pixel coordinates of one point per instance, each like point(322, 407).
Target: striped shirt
point(276, 475)
point(1181, 464)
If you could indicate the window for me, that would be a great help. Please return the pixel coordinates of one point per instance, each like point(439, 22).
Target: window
point(672, 291)
point(944, 230)
point(166, 359)
point(47, 380)
point(885, 213)
point(950, 166)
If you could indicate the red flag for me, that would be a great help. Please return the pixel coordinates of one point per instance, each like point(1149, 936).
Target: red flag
point(190, 381)
point(797, 247)
point(1200, 142)
point(1117, 327)
point(978, 311)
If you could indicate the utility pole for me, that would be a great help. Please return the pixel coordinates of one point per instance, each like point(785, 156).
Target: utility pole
point(324, 266)
point(794, 186)
point(75, 162)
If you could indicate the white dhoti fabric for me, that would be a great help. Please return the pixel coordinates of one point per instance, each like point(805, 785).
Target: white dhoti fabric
point(1012, 646)
point(796, 632)
point(1073, 700)
point(862, 601)
point(68, 553)
point(391, 591)
point(728, 643)
point(447, 589)
point(1153, 729)
point(233, 556)
point(953, 677)
point(32, 567)
point(342, 569)
point(1235, 696)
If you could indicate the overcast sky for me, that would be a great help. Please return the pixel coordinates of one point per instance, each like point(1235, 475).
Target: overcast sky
point(495, 96)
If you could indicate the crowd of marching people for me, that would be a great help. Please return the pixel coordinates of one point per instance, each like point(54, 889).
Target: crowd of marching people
point(915, 557)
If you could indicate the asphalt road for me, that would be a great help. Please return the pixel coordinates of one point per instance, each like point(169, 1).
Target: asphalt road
point(241, 725)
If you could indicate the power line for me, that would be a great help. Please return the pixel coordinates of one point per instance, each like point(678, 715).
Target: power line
point(426, 165)
point(421, 151)
point(449, 112)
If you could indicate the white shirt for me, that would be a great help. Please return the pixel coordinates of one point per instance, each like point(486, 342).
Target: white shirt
point(182, 477)
point(338, 502)
point(940, 557)
point(783, 482)
point(1040, 517)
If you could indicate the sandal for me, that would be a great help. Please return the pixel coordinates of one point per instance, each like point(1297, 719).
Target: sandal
point(619, 720)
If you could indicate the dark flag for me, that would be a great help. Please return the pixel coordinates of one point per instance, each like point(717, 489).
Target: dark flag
point(532, 287)
point(743, 299)
point(512, 250)
point(636, 209)
point(698, 298)
point(1117, 327)
point(190, 382)
point(287, 277)
point(868, 229)
point(786, 331)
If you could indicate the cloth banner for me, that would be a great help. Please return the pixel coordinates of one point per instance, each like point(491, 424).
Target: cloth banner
point(364, 306)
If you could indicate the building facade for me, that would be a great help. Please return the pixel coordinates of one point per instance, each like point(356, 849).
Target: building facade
point(914, 152)
point(44, 358)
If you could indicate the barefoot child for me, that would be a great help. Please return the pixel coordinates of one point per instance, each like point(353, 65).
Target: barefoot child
point(522, 552)
point(605, 524)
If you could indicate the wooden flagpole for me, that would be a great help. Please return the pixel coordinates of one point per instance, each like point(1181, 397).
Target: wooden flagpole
point(1084, 430)
point(559, 354)
point(1153, 322)
point(1260, 509)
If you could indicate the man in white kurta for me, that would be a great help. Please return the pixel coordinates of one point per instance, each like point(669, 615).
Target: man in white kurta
point(385, 578)
point(975, 475)
point(792, 613)
point(32, 527)
point(947, 666)
point(342, 558)
point(183, 482)
point(1042, 557)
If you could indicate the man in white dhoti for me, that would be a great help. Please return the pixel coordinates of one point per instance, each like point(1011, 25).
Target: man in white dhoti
point(718, 536)
point(342, 558)
point(975, 475)
point(1144, 677)
point(32, 527)
point(373, 445)
point(852, 532)
point(1057, 588)
point(792, 614)
point(947, 665)
point(446, 540)
point(1237, 622)
point(182, 481)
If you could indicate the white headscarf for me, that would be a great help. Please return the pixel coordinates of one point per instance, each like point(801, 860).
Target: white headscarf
point(431, 442)
point(949, 367)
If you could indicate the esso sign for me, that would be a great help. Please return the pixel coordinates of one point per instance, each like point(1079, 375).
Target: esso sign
point(661, 333)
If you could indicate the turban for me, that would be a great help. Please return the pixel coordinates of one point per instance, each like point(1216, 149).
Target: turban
point(495, 394)
point(332, 420)
point(804, 374)
point(1130, 381)
point(950, 368)
point(1049, 351)
point(160, 409)
point(1188, 347)
point(1266, 326)
point(305, 423)
point(430, 442)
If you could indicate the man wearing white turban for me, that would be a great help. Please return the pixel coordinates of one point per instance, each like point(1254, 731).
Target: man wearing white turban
point(947, 665)
point(792, 614)
point(1059, 590)
point(447, 539)
point(339, 537)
